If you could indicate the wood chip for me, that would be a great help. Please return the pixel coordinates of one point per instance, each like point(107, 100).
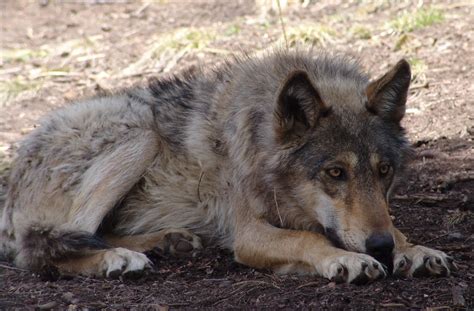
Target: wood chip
point(458, 296)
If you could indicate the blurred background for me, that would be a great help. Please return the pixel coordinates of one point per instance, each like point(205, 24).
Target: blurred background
point(53, 52)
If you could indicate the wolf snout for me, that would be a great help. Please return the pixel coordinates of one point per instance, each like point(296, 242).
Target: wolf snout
point(380, 246)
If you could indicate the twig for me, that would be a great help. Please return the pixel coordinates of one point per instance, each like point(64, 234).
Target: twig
point(282, 24)
point(393, 305)
point(217, 51)
point(90, 57)
point(173, 61)
point(435, 238)
point(256, 282)
point(141, 9)
point(12, 268)
point(308, 284)
point(419, 86)
point(10, 71)
point(58, 74)
point(136, 74)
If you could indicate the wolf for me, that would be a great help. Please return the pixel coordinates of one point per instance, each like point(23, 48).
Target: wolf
point(287, 159)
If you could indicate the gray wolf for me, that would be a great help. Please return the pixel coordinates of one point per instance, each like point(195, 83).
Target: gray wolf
point(288, 159)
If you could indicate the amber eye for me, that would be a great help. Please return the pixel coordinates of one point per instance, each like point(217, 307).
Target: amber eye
point(384, 169)
point(336, 173)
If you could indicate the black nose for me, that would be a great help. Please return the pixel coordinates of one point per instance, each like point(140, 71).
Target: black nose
point(380, 244)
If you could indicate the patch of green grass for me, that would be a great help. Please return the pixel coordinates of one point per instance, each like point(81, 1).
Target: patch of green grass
point(401, 41)
point(410, 21)
point(184, 38)
point(232, 30)
point(314, 34)
point(12, 88)
point(361, 32)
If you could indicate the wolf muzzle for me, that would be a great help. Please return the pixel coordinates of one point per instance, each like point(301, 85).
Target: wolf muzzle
point(380, 246)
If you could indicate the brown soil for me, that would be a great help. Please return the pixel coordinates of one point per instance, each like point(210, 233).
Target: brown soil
point(66, 51)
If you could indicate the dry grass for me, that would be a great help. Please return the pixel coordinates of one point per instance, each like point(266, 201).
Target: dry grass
point(311, 34)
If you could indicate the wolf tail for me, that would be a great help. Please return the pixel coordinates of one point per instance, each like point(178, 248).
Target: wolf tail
point(42, 245)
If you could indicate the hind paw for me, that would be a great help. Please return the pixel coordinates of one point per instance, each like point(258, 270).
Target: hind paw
point(121, 261)
point(181, 241)
point(418, 261)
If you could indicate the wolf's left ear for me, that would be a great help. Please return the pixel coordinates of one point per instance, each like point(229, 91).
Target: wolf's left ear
point(387, 96)
point(298, 108)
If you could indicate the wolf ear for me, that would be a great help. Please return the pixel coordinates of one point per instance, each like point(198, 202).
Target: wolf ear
point(298, 108)
point(387, 96)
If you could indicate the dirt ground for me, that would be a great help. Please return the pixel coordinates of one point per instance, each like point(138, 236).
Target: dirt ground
point(53, 52)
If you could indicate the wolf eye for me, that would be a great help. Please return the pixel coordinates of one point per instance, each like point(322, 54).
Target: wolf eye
point(384, 169)
point(336, 173)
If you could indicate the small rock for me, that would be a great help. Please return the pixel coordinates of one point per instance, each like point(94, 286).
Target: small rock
point(225, 283)
point(68, 297)
point(456, 236)
point(332, 285)
point(70, 95)
point(47, 306)
point(106, 28)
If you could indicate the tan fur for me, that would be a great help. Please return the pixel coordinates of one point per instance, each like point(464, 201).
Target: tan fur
point(173, 240)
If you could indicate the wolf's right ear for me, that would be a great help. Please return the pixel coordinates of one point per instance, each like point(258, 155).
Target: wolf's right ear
point(387, 95)
point(298, 108)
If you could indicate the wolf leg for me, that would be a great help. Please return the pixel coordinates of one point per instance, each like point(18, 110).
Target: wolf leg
point(176, 241)
point(109, 263)
point(416, 260)
point(102, 186)
point(260, 245)
point(110, 178)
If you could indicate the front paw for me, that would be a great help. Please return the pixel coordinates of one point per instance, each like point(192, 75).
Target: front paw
point(350, 267)
point(417, 261)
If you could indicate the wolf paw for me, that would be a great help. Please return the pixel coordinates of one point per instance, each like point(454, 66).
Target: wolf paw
point(417, 261)
point(121, 261)
point(353, 268)
point(181, 241)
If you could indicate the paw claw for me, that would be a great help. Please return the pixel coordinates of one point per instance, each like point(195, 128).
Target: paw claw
point(341, 275)
point(352, 268)
point(403, 267)
point(420, 261)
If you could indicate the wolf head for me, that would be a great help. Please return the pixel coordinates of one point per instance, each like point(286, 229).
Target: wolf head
point(341, 149)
